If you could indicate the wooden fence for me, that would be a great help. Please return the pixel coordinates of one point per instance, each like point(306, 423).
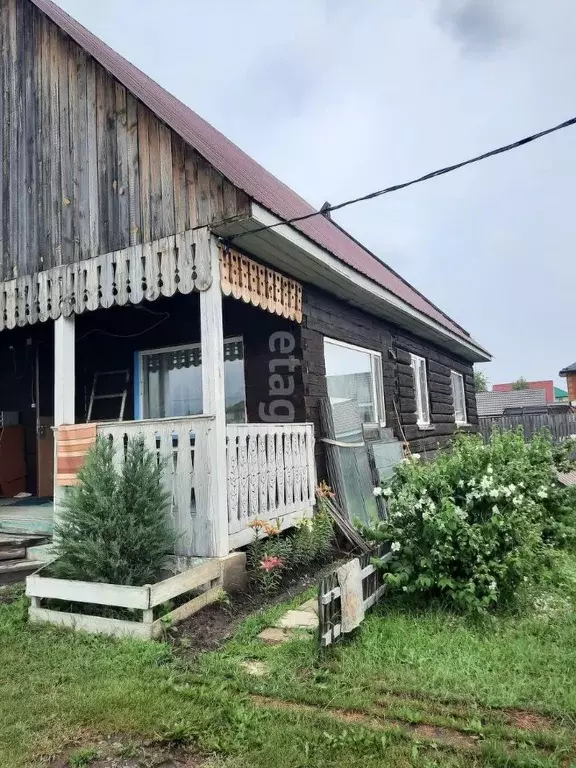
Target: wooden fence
point(329, 595)
point(561, 425)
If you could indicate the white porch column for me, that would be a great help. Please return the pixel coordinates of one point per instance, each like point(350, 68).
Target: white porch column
point(64, 388)
point(64, 370)
point(213, 399)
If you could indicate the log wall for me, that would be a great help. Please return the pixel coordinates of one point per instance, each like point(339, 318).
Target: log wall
point(325, 315)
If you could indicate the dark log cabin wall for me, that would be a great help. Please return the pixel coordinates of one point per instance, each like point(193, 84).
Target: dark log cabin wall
point(86, 168)
point(327, 316)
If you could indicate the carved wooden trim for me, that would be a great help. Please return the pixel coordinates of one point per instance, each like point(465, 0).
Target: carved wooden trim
point(176, 264)
point(260, 286)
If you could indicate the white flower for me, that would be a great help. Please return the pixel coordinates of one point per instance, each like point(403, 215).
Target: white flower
point(492, 586)
point(460, 483)
point(542, 494)
point(489, 469)
point(395, 546)
point(404, 589)
point(416, 456)
point(386, 491)
point(377, 491)
point(431, 505)
point(494, 493)
point(517, 500)
point(495, 509)
point(426, 515)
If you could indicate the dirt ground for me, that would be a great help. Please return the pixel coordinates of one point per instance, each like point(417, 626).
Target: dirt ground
point(220, 620)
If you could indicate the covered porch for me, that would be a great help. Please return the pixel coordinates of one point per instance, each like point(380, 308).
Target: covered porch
point(194, 350)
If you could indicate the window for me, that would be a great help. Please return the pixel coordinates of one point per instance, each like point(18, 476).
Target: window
point(354, 374)
point(421, 389)
point(458, 397)
point(171, 381)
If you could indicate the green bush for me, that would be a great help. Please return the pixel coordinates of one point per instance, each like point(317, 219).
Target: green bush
point(114, 526)
point(271, 558)
point(476, 526)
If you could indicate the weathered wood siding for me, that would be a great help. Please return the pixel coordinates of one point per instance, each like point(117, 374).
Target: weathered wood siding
point(325, 315)
point(85, 168)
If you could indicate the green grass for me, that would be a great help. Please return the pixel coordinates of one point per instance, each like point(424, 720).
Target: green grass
point(363, 703)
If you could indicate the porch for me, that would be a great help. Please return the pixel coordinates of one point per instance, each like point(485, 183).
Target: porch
point(193, 367)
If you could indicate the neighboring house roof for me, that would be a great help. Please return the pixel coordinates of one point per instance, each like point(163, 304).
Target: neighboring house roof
point(560, 394)
point(494, 403)
point(547, 385)
point(568, 369)
point(244, 172)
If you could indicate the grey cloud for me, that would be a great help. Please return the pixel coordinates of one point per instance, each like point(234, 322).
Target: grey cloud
point(480, 26)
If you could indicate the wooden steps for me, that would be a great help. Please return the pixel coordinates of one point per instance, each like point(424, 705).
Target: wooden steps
point(15, 563)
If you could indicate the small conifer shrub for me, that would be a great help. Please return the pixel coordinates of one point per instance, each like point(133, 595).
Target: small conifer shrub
point(114, 526)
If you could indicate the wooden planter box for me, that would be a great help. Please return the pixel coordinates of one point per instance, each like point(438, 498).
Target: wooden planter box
point(208, 576)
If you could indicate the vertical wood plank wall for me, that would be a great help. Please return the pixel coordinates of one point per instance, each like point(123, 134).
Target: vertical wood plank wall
point(85, 168)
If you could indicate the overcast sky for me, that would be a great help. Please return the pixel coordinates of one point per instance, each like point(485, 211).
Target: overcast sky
point(341, 97)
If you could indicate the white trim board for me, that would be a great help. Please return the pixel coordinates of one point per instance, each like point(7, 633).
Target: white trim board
point(289, 250)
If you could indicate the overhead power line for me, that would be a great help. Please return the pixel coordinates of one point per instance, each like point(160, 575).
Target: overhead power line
point(396, 187)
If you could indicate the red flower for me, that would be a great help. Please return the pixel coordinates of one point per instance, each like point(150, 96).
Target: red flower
point(270, 562)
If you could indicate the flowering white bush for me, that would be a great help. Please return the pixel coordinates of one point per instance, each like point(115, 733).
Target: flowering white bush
point(476, 525)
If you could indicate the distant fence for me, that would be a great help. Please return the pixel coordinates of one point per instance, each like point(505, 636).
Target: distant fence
point(561, 425)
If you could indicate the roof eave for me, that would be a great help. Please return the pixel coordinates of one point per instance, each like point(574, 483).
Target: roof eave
point(290, 250)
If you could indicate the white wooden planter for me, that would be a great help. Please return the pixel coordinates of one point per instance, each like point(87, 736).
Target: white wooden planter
point(208, 576)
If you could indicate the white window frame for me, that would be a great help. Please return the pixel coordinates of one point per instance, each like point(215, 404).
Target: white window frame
point(460, 377)
point(177, 348)
point(421, 397)
point(377, 382)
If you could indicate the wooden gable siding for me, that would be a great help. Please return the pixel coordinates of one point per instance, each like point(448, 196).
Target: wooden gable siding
point(86, 169)
point(327, 316)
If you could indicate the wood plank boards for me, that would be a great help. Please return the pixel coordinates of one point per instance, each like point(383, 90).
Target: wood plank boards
point(86, 168)
point(266, 464)
point(103, 281)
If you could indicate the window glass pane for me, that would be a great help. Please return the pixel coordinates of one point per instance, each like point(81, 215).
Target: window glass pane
point(172, 382)
point(421, 389)
point(349, 378)
point(424, 392)
point(459, 399)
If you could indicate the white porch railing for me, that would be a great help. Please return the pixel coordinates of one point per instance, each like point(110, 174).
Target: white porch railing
point(181, 444)
point(271, 475)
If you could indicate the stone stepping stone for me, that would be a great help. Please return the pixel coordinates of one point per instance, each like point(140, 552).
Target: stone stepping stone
point(298, 620)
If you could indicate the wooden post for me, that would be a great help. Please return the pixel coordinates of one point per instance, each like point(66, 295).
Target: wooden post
point(64, 388)
point(64, 373)
point(215, 543)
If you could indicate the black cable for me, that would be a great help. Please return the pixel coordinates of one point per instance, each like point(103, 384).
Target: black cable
point(396, 187)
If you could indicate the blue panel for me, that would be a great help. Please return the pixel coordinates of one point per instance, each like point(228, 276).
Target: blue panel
point(137, 385)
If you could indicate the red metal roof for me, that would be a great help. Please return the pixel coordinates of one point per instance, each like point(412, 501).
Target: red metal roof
point(241, 170)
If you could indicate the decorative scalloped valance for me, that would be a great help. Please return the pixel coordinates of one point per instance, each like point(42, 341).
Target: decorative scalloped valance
point(141, 272)
point(261, 286)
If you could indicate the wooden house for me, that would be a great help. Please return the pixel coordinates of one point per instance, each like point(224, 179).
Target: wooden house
point(148, 286)
point(570, 373)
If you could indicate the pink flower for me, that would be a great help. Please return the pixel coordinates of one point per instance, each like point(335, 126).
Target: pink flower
point(270, 562)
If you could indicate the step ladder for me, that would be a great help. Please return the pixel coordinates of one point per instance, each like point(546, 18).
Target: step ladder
point(104, 381)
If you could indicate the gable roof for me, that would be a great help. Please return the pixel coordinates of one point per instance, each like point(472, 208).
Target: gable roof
point(568, 369)
point(244, 172)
